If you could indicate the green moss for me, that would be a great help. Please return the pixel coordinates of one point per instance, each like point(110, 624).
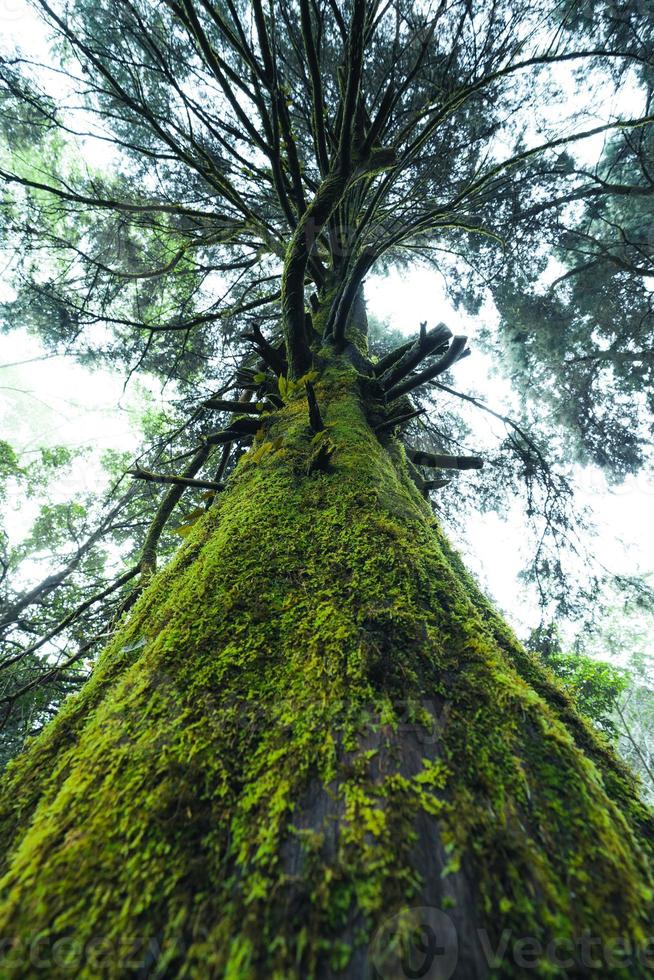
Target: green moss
point(313, 718)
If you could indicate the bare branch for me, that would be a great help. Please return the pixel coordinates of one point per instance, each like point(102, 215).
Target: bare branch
point(426, 344)
point(457, 350)
point(444, 462)
point(183, 481)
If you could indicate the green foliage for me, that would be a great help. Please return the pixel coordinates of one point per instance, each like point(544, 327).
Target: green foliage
point(635, 720)
point(624, 634)
point(610, 674)
point(40, 535)
point(9, 468)
point(289, 387)
point(381, 339)
point(38, 702)
point(595, 685)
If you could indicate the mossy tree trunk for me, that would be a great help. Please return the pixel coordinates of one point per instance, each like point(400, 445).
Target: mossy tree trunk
point(312, 722)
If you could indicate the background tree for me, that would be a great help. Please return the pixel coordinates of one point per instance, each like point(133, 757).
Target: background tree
point(311, 717)
point(574, 289)
point(609, 674)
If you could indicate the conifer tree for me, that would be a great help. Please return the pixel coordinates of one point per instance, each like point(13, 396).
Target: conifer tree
point(310, 748)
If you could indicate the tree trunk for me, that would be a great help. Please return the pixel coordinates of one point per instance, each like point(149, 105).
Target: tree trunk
point(315, 751)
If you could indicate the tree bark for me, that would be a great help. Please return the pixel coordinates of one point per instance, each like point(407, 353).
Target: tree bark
point(315, 751)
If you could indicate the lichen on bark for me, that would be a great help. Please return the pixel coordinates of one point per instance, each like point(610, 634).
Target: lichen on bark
point(312, 720)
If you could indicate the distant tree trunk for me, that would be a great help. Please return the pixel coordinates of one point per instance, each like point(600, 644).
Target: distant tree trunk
point(315, 751)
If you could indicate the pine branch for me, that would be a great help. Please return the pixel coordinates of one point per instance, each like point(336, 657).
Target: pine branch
point(339, 313)
point(394, 355)
point(40, 591)
point(237, 430)
point(72, 616)
point(148, 562)
point(318, 110)
point(272, 357)
point(498, 415)
point(424, 486)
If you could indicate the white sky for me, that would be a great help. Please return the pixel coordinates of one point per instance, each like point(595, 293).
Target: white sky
point(53, 401)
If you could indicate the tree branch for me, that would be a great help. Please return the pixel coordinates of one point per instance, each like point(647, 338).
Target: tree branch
point(444, 462)
point(148, 562)
point(457, 350)
point(426, 344)
point(238, 408)
point(72, 616)
point(182, 481)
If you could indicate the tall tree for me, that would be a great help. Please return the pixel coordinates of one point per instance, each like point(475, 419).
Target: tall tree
point(311, 735)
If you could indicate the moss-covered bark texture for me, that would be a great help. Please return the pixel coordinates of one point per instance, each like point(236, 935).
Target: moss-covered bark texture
point(314, 720)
